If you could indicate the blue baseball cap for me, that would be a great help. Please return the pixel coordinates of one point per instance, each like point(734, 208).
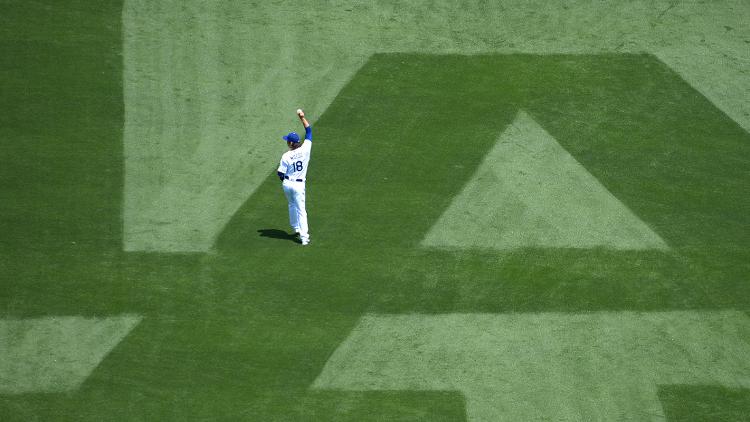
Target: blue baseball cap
point(291, 137)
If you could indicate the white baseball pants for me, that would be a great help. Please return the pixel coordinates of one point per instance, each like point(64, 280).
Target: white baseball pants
point(295, 196)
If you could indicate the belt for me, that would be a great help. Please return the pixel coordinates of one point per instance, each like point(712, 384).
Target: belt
point(294, 180)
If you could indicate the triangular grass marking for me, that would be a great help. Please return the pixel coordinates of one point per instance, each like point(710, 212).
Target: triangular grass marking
point(56, 354)
point(530, 192)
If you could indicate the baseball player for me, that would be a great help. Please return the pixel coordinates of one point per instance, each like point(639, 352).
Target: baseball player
point(292, 171)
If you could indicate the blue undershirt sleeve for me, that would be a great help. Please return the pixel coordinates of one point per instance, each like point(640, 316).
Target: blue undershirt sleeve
point(308, 133)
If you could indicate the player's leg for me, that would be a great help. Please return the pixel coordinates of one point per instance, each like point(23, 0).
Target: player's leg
point(293, 220)
point(299, 197)
point(292, 203)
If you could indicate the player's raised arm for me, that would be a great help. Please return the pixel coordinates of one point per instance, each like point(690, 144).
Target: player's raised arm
point(305, 123)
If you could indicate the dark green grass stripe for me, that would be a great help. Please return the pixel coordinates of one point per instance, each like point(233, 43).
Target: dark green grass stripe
point(693, 403)
point(61, 126)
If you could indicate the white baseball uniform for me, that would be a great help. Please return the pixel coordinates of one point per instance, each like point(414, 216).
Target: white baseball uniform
point(294, 167)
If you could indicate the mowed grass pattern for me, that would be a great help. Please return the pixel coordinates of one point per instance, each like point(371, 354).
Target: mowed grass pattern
point(242, 333)
point(529, 192)
point(604, 366)
point(397, 145)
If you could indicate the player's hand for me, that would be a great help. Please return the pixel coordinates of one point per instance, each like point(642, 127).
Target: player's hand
point(300, 113)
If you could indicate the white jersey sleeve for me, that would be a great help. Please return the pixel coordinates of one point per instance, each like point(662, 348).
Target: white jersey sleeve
point(283, 165)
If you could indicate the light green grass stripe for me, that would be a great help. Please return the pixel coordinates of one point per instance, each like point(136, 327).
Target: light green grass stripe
point(209, 85)
point(56, 354)
point(530, 192)
point(536, 367)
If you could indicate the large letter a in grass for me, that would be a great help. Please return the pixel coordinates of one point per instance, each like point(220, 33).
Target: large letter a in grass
point(530, 192)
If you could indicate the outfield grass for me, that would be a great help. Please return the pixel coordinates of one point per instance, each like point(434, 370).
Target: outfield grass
point(62, 115)
point(207, 84)
point(242, 333)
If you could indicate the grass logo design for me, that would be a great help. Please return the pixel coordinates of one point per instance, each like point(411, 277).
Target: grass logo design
point(529, 192)
point(521, 209)
point(540, 367)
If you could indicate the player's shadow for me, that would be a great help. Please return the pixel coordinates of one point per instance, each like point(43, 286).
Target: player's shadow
point(277, 234)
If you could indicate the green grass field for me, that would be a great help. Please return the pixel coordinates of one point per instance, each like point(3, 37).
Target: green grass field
point(546, 220)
